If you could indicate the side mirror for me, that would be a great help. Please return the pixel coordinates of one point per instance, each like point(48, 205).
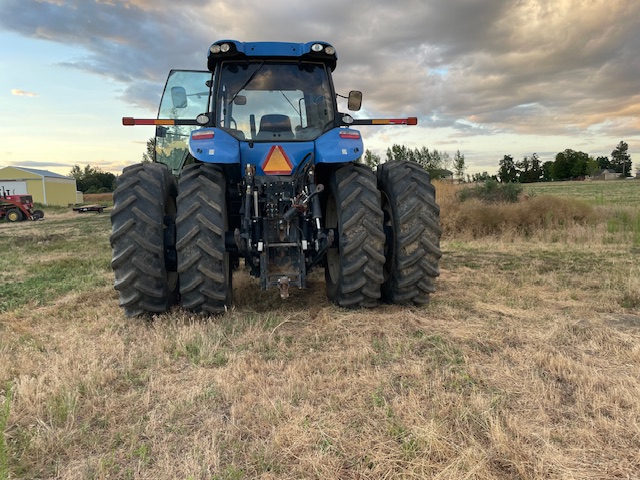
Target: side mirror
point(179, 97)
point(355, 100)
point(240, 100)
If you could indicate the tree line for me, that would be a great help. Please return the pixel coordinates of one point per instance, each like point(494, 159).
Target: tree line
point(435, 162)
point(569, 164)
point(92, 180)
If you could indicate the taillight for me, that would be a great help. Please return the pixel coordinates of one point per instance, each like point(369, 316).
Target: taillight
point(350, 134)
point(202, 135)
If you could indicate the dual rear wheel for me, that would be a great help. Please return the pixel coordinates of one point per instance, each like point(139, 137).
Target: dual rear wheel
point(168, 246)
point(388, 235)
point(148, 237)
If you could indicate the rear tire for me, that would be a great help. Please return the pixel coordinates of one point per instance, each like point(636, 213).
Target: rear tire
point(203, 265)
point(412, 226)
point(142, 239)
point(14, 215)
point(353, 269)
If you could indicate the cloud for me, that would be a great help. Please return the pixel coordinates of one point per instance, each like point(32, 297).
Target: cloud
point(22, 93)
point(481, 67)
point(40, 164)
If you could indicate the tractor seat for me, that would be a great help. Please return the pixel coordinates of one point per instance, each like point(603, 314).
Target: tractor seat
point(275, 127)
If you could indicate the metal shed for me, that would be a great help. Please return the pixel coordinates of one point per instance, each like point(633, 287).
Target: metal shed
point(46, 187)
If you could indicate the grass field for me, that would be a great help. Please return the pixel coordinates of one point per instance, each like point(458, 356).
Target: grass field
point(526, 364)
point(608, 193)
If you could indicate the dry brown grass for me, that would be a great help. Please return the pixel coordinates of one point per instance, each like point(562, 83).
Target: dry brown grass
point(474, 218)
point(526, 364)
point(98, 197)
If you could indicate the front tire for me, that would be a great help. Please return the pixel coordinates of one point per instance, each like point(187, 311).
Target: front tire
point(142, 239)
point(201, 225)
point(413, 232)
point(354, 267)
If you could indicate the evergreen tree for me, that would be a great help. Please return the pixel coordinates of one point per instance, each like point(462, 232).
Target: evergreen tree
point(458, 166)
point(150, 155)
point(370, 159)
point(621, 160)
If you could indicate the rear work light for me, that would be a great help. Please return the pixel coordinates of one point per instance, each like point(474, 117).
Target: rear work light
point(320, 48)
point(217, 48)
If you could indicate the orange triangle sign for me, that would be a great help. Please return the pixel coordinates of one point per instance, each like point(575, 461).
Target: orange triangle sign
point(277, 162)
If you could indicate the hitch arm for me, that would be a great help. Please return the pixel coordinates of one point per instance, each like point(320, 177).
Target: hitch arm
point(130, 121)
point(386, 121)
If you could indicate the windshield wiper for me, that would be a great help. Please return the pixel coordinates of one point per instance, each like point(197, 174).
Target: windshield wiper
point(244, 85)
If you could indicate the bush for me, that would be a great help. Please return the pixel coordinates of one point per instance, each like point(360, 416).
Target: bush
point(493, 192)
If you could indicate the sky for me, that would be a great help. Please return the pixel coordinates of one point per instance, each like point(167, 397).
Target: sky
point(486, 77)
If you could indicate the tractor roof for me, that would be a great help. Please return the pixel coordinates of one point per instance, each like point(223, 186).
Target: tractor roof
point(235, 50)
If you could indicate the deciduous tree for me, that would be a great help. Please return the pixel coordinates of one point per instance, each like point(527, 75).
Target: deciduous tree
point(603, 162)
point(92, 180)
point(507, 172)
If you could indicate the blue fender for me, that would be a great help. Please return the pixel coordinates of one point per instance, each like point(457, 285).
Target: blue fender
point(213, 145)
point(339, 145)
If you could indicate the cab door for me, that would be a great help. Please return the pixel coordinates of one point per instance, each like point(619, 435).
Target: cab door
point(186, 95)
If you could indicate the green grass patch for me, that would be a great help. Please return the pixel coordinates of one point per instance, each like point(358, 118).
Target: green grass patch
point(53, 257)
point(44, 282)
point(603, 193)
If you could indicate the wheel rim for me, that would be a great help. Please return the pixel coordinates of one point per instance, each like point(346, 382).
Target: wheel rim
point(12, 216)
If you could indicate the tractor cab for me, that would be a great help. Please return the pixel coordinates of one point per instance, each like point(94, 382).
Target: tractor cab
point(253, 95)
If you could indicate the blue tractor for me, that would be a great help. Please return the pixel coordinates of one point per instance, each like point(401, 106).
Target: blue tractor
point(255, 164)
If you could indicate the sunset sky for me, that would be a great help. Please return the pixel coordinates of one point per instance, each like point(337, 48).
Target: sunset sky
point(486, 77)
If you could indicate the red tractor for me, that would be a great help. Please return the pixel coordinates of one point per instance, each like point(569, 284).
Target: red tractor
point(15, 208)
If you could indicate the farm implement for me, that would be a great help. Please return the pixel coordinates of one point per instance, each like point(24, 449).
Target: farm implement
point(90, 208)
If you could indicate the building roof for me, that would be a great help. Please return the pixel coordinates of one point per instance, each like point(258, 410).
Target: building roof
point(40, 173)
